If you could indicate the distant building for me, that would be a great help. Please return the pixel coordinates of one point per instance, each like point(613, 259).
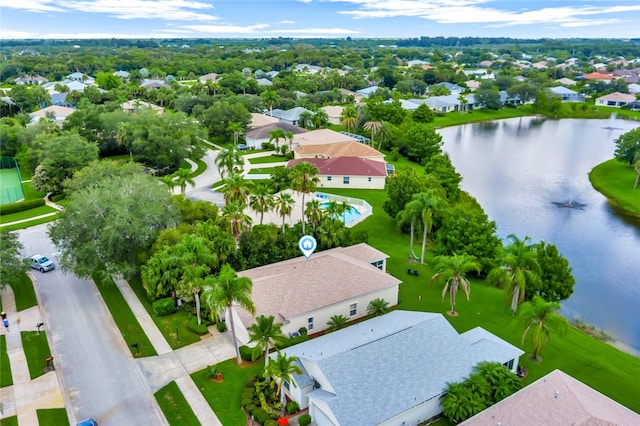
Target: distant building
point(615, 99)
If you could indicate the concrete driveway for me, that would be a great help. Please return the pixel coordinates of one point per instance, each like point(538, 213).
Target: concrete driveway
point(100, 377)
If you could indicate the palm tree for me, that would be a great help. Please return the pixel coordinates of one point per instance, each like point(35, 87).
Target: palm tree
point(540, 318)
point(269, 97)
point(289, 136)
point(334, 209)
point(228, 159)
point(306, 119)
point(261, 201)
point(235, 129)
point(237, 221)
point(373, 126)
point(284, 205)
point(349, 118)
point(275, 136)
point(409, 215)
point(265, 333)
point(426, 203)
point(336, 322)
point(462, 100)
point(182, 177)
point(320, 119)
point(236, 189)
point(229, 289)
point(377, 307)
point(305, 181)
point(452, 270)
point(124, 138)
point(314, 213)
point(282, 368)
point(519, 270)
point(160, 275)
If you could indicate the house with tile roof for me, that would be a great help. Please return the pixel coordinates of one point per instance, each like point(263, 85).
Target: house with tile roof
point(307, 293)
point(256, 137)
point(212, 76)
point(347, 172)
point(321, 137)
point(334, 113)
point(56, 112)
point(291, 116)
point(596, 76)
point(556, 399)
point(30, 79)
point(258, 120)
point(615, 99)
point(359, 375)
point(135, 105)
point(367, 91)
point(566, 81)
point(339, 149)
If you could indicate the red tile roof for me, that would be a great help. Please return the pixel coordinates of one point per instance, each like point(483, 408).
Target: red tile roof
point(597, 76)
point(345, 166)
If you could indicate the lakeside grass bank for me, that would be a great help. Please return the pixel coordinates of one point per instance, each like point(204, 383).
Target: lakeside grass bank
point(614, 179)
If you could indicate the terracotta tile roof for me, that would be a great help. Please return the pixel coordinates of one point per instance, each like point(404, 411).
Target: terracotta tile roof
point(597, 76)
point(340, 149)
point(295, 286)
point(556, 399)
point(262, 132)
point(321, 136)
point(617, 97)
point(345, 166)
point(59, 111)
point(333, 110)
point(258, 120)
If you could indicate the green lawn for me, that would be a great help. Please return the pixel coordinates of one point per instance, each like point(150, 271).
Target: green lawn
point(599, 365)
point(124, 318)
point(30, 193)
point(202, 166)
point(615, 179)
point(175, 407)
point(167, 324)
point(224, 398)
point(25, 225)
point(455, 118)
point(12, 217)
point(5, 369)
point(268, 159)
point(36, 350)
point(261, 170)
point(9, 421)
point(52, 417)
point(23, 292)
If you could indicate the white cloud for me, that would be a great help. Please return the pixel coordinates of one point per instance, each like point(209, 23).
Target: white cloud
point(31, 5)
point(226, 29)
point(286, 22)
point(11, 34)
point(315, 31)
point(174, 10)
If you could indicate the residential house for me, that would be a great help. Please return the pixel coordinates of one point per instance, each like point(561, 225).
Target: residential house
point(507, 99)
point(634, 88)
point(212, 76)
point(357, 97)
point(339, 149)
point(254, 138)
point(566, 81)
point(264, 82)
point(135, 105)
point(303, 293)
point(347, 172)
point(567, 95)
point(472, 84)
point(151, 84)
point(389, 370)
point(30, 79)
point(448, 103)
point(416, 62)
point(368, 91)
point(596, 76)
point(485, 64)
point(334, 113)
point(453, 89)
point(321, 137)
point(122, 74)
point(408, 104)
point(307, 68)
point(291, 116)
point(82, 78)
point(258, 120)
point(57, 113)
point(542, 65)
point(615, 99)
point(556, 399)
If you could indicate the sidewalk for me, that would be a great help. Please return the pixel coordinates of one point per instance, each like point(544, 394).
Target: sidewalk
point(26, 395)
point(29, 219)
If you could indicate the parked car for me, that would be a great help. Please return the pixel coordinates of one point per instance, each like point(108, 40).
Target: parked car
point(40, 262)
point(87, 422)
point(243, 147)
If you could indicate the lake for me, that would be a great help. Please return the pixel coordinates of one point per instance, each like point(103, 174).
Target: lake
point(525, 172)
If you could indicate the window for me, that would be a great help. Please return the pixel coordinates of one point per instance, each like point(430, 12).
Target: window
point(345, 180)
point(310, 323)
point(353, 309)
point(369, 179)
point(286, 385)
point(509, 365)
point(329, 178)
point(378, 264)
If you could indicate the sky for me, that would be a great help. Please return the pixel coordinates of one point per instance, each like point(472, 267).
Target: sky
point(65, 19)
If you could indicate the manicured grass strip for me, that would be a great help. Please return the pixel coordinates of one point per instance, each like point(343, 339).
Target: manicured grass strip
point(30, 193)
point(202, 166)
point(23, 292)
point(268, 159)
point(175, 407)
point(474, 116)
point(25, 225)
point(9, 421)
point(36, 350)
point(123, 317)
point(595, 363)
point(615, 179)
point(5, 369)
point(224, 398)
point(260, 171)
point(169, 323)
point(52, 417)
point(12, 217)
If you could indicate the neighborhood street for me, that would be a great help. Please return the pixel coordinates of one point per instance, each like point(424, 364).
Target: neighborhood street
point(101, 378)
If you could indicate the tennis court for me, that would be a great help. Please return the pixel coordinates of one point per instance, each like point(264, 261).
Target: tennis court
point(10, 184)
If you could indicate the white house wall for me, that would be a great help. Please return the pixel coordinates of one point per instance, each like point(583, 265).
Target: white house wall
point(321, 414)
point(415, 415)
point(359, 182)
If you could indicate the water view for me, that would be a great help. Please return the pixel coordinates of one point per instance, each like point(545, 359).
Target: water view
point(531, 177)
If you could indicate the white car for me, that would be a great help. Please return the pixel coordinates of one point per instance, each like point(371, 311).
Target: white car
point(40, 262)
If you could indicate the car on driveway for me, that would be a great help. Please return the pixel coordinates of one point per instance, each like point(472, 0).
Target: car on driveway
point(87, 422)
point(243, 147)
point(40, 262)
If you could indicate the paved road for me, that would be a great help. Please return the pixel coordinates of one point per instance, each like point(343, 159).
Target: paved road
point(202, 189)
point(101, 379)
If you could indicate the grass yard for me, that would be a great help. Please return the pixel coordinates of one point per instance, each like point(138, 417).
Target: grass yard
point(36, 350)
point(129, 326)
point(202, 166)
point(175, 407)
point(23, 292)
point(34, 222)
point(167, 324)
point(38, 211)
point(261, 170)
point(615, 179)
point(224, 398)
point(9, 421)
point(5, 369)
point(52, 417)
point(268, 159)
point(30, 193)
point(475, 116)
point(599, 365)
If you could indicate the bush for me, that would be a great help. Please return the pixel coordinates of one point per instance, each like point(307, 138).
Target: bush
point(304, 420)
point(302, 330)
point(271, 422)
point(163, 307)
point(250, 409)
point(201, 329)
point(57, 197)
point(292, 407)
point(221, 326)
point(293, 341)
point(246, 353)
point(268, 146)
point(21, 206)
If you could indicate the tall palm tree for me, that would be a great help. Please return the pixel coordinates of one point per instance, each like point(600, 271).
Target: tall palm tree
point(334, 209)
point(124, 137)
point(540, 318)
point(410, 215)
point(520, 269)
point(289, 136)
point(228, 159)
point(452, 270)
point(306, 119)
point(275, 136)
point(235, 129)
point(284, 206)
point(229, 289)
point(320, 118)
point(349, 118)
point(373, 126)
point(269, 97)
point(265, 333)
point(336, 322)
point(237, 221)
point(377, 307)
point(426, 203)
point(314, 213)
point(182, 177)
point(261, 201)
point(237, 189)
point(305, 180)
point(160, 275)
point(462, 101)
point(282, 368)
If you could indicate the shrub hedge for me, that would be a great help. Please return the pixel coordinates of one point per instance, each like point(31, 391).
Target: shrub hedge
point(21, 206)
point(163, 307)
point(245, 353)
point(221, 326)
point(291, 407)
point(201, 329)
point(304, 420)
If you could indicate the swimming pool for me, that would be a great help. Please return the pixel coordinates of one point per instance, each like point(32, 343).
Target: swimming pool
point(348, 216)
